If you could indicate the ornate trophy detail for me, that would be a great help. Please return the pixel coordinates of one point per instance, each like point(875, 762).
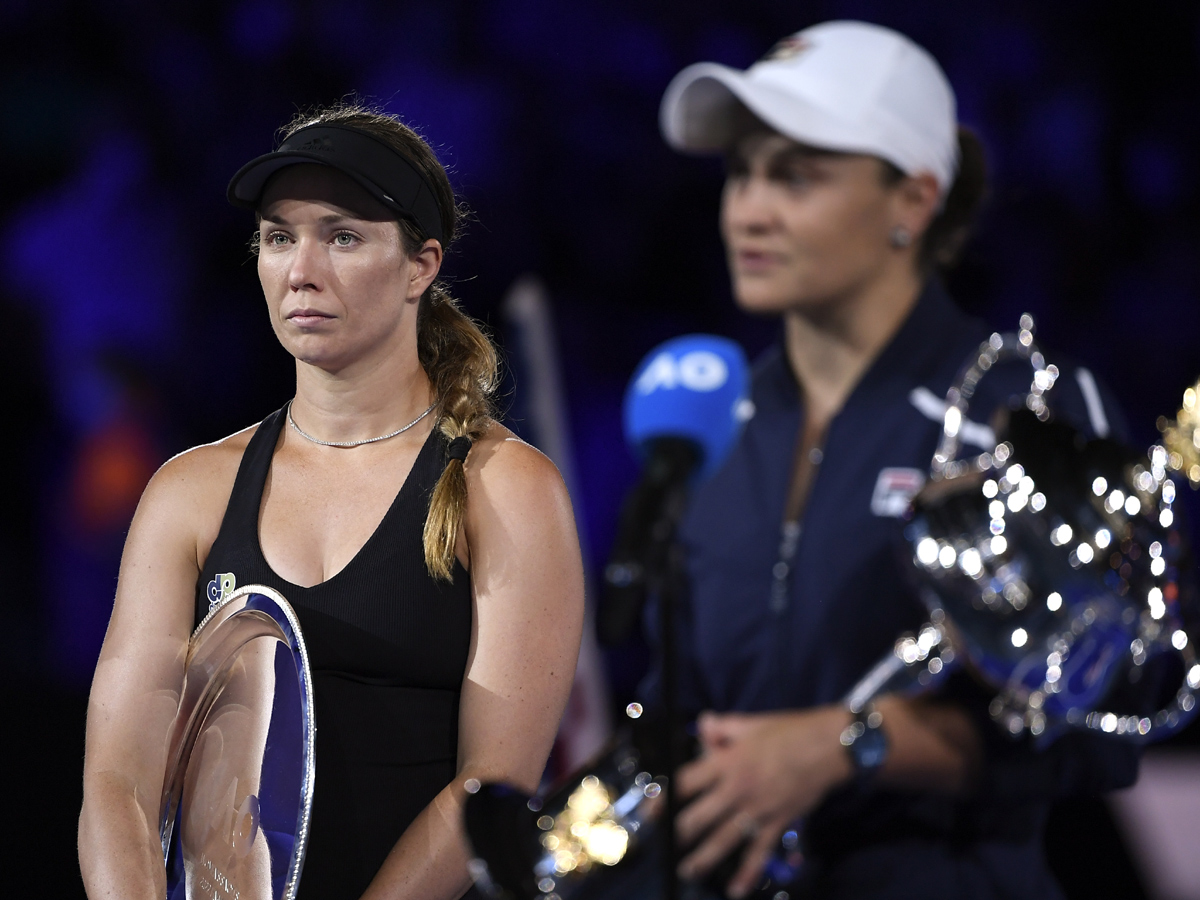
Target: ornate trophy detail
point(1182, 438)
point(1051, 567)
point(238, 787)
point(560, 846)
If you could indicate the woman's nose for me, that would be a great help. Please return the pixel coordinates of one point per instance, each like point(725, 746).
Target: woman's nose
point(306, 272)
point(747, 205)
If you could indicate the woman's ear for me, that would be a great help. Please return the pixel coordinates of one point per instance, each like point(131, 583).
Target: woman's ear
point(426, 263)
point(916, 203)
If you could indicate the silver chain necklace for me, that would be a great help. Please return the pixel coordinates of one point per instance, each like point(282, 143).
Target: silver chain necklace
point(382, 437)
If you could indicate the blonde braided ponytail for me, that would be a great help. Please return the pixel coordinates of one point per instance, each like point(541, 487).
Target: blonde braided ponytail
point(461, 362)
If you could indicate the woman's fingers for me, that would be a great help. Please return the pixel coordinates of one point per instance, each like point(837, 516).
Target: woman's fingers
point(759, 772)
point(703, 813)
point(697, 776)
point(762, 844)
point(721, 841)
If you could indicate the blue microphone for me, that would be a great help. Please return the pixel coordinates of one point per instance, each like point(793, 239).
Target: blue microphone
point(684, 410)
point(695, 389)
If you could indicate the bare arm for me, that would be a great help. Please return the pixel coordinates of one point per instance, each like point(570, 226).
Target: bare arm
point(527, 582)
point(135, 693)
point(760, 772)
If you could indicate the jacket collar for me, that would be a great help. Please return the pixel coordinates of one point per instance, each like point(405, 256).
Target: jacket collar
point(932, 331)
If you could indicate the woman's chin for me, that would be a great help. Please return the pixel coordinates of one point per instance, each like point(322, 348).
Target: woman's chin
point(326, 361)
point(759, 302)
point(772, 298)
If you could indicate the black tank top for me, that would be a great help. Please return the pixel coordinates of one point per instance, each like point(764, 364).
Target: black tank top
point(387, 646)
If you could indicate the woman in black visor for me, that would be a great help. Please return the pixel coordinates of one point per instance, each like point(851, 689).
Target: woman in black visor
point(430, 555)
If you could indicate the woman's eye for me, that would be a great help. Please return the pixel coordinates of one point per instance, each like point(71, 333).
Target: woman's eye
point(343, 239)
point(277, 239)
point(795, 178)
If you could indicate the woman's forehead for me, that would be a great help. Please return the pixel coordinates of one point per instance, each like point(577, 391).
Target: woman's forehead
point(323, 185)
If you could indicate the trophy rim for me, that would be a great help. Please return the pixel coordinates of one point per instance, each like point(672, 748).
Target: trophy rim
point(294, 639)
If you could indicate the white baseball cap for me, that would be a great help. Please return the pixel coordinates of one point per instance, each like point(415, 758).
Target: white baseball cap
point(847, 86)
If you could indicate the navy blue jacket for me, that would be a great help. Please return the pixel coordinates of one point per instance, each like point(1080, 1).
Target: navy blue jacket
point(849, 596)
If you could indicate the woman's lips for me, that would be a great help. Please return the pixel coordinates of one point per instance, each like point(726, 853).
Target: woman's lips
point(305, 318)
point(756, 261)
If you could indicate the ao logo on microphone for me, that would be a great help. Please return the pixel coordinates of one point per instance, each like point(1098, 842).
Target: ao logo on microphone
point(694, 387)
point(697, 370)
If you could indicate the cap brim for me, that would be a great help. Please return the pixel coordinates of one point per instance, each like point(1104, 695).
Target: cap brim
point(697, 113)
point(247, 185)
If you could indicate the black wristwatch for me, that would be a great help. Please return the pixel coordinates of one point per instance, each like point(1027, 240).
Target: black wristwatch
point(866, 743)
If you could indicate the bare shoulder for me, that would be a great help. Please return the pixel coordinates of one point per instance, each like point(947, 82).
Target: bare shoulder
point(172, 531)
point(520, 534)
point(205, 468)
point(502, 463)
point(194, 488)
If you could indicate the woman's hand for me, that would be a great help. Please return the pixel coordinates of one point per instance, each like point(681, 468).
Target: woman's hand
point(758, 773)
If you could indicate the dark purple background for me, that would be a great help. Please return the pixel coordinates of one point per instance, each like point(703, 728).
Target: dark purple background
point(136, 324)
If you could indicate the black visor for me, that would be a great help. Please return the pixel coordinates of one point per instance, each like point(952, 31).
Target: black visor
point(383, 172)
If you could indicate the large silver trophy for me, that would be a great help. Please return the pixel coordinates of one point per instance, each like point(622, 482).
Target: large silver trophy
point(1052, 568)
point(240, 763)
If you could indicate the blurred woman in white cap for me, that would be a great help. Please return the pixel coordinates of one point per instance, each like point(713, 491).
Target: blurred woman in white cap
point(849, 185)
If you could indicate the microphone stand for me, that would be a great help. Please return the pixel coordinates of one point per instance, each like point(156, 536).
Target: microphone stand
point(648, 562)
point(668, 592)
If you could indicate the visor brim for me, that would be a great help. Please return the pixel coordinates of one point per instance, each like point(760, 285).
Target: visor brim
point(248, 183)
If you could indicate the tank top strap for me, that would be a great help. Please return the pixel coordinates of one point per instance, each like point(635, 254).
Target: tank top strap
point(241, 515)
point(233, 558)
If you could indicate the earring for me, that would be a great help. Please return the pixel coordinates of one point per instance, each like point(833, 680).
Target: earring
point(900, 237)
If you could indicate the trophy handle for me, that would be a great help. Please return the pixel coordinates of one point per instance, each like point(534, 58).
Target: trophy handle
point(249, 613)
point(997, 348)
point(919, 661)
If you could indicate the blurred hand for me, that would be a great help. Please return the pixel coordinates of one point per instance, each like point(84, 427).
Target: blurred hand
point(757, 774)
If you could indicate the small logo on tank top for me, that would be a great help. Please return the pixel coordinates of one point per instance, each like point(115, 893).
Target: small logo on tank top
point(220, 588)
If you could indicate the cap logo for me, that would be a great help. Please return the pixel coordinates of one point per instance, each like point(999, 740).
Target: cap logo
point(787, 48)
point(321, 144)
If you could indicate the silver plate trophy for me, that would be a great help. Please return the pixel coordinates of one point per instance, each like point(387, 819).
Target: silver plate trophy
point(240, 763)
point(1052, 567)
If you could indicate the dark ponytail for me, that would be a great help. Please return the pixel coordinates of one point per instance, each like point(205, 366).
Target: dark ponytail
point(952, 226)
point(948, 232)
